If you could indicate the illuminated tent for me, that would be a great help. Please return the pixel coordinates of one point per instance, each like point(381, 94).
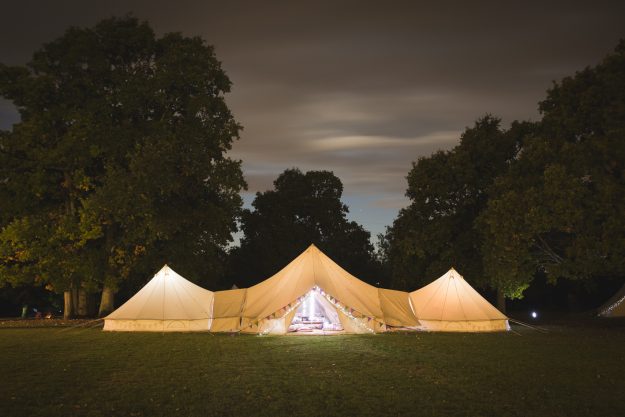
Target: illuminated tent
point(269, 307)
point(227, 308)
point(167, 303)
point(312, 281)
point(615, 306)
point(450, 304)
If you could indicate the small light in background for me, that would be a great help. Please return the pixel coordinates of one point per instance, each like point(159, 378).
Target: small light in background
point(534, 314)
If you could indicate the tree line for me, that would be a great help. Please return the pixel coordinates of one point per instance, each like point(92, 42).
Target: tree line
point(538, 198)
point(119, 164)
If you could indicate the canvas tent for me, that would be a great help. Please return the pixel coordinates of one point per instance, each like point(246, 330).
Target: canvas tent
point(272, 305)
point(451, 304)
point(227, 308)
point(615, 306)
point(168, 302)
point(312, 293)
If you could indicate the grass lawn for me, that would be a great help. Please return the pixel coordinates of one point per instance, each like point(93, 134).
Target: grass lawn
point(572, 370)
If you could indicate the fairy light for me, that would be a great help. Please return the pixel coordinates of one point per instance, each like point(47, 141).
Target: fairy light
point(308, 300)
point(344, 310)
point(294, 305)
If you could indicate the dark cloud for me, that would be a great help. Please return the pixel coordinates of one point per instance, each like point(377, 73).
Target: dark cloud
point(357, 87)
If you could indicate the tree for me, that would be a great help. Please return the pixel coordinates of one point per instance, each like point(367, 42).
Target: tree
point(448, 191)
point(118, 162)
point(559, 208)
point(303, 209)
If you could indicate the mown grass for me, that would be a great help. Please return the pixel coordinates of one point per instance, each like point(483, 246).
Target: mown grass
point(567, 372)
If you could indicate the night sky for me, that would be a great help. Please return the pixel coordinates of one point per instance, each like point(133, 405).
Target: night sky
point(362, 88)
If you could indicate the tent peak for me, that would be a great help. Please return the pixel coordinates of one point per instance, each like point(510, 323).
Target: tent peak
point(166, 271)
point(452, 273)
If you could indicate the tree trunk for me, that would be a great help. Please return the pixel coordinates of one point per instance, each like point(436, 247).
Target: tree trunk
point(92, 304)
point(82, 303)
point(501, 301)
point(74, 300)
point(107, 302)
point(68, 309)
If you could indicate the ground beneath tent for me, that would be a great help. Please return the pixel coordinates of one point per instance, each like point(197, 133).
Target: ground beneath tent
point(316, 332)
point(521, 373)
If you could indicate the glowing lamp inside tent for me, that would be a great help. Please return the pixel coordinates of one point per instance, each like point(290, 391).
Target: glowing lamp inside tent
point(316, 314)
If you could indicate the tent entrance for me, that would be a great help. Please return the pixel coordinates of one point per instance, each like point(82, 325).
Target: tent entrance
point(315, 315)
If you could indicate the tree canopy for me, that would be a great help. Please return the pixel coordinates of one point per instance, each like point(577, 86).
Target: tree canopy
point(448, 191)
point(538, 198)
point(302, 209)
point(558, 209)
point(118, 162)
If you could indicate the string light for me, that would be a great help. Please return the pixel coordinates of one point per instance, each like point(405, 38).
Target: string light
point(345, 310)
point(289, 309)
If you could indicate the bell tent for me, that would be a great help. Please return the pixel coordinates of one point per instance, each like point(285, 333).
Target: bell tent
point(450, 304)
point(227, 307)
point(167, 303)
point(312, 294)
point(615, 306)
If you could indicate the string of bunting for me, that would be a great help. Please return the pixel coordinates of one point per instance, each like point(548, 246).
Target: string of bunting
point(347, 311)
point(280, 313)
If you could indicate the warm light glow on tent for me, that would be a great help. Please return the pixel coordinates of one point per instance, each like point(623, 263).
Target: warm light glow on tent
point(269, 307)
point(167, 303)
point(450, 304)
point(309, 305)
point(311, 294)
point(316, 315)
